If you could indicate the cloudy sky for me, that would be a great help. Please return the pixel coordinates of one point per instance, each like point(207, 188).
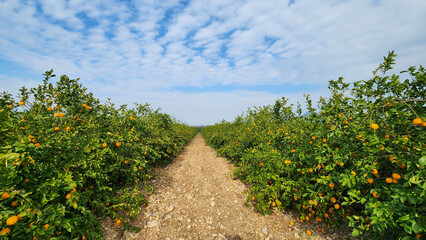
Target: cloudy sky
point(206, 60)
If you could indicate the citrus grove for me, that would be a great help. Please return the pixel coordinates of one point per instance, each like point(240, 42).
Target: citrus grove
point(67, 161)
point(357, 159)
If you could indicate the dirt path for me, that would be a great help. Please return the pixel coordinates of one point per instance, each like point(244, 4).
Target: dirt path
point(197, 198)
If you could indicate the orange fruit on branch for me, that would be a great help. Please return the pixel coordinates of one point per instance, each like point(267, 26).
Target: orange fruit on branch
point(375, 195)
point(396, 176)
point(12, 220)
point(418, 121)
point(5, 232)
point(5, 195)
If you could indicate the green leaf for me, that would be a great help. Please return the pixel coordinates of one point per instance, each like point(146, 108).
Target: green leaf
point(422, 161)
point(404, 218)
point(355, 233)
point(416, 227)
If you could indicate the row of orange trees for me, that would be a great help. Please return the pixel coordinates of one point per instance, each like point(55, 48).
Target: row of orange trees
point(66, 160)
point(358, 158)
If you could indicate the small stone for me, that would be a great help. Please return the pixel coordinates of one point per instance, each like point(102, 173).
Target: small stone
point(265, 230)
point(170, 208)
point(212, 204)
point(152, 224)
point(167, 216)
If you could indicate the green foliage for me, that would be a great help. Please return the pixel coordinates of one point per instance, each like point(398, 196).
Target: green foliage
point(66, 160)
point(331, 156)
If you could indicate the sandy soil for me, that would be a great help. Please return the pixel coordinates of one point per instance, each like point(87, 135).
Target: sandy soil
point(196, 198)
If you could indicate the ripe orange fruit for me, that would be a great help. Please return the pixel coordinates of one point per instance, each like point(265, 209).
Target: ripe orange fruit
point(386, 136)
point(388, 180)
point(394, 181)
point(374, 126)
point(12, 220)
point(396, 176)
point(325, 215)
point(375, 195)
point(418, 236)
point(5, 232)
point(417, 121)
point(324, 140)
point(68, 128)
point(56, 129)
point(260, 164)
point(46, 226)
point(31, 224)
point(353, 173)
point(49, 109)
point(336, 206)
point(68, 196)
point(104, 144)
point(331, 185)
point(5, 195)
point(27, 180)
point(375, 172)
point(313, 138)
point(14, 204)
point(370, 181)
point(292, 151)
point(403, 165)
point(9, 106)
point(19, 217)
point(307, 218)
point(346, 122)
point(311, 170)
point(56, 115)
point(118, 144)
point(117, 222)
point(308, 232)
point(21, 103)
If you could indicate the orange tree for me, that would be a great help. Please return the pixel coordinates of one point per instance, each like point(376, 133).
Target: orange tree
point(67, 160)
point(358, 158)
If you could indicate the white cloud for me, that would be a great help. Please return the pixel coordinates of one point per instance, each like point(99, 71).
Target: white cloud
point(119, 47)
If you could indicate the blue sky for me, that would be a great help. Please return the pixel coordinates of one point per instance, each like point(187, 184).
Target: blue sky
point(203, 61)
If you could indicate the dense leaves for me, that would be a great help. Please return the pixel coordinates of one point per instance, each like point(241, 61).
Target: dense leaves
point(359, 158)
point(66, 160)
